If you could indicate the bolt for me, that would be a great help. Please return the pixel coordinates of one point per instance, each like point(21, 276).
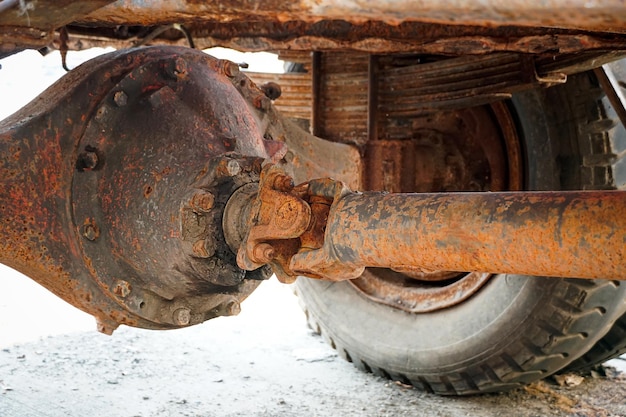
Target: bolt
point(90, 231)
point(230, 69)
point(283, 183)
point(106, 325)
point(233, 167)
point(202, 201)
point(263, 253)
point(232, 308)
point(87, 161)
point(178, 70)
point(203, 249)
point(182, 316)
point(120, 98)
point(122, 288)
point(271, 90)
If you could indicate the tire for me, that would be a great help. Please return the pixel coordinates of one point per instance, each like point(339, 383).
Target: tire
point(613, 344)
point(515, 329)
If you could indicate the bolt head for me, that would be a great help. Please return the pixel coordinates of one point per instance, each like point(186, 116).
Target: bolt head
point(120, 98)
point(203, 249)
point(233, 167)
point(122, 288)
point(180, 67)
point(263, 253)
point(271, 90)
point(229, 68)
point(182, 316)
point(91, 231)
point(202, 201)
point(232, 308)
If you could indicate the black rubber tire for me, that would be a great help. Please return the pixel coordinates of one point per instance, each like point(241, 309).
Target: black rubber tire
point(516, 329)
point(610, 133)
point(612, 345)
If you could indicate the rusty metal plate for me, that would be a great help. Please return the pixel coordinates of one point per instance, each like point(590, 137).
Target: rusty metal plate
point(608, 15)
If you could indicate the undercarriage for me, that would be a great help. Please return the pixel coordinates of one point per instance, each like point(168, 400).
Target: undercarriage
point(445, 184)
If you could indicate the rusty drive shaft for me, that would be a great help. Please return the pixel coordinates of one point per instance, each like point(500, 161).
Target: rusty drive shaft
point(568, 234)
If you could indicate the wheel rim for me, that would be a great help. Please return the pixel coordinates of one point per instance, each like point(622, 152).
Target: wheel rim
point(475, 149)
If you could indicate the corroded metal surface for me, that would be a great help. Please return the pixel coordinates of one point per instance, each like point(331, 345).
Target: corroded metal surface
point(461, 150)
point(114, 184)
point(370, 36)
point(574, 234)
point(606, 15)
point(283, 219)
point(49, 14)
point(451, 27)
point(567, 234)
point(26, 24)
point(114, 180)
point(409, 291)
point(475, 149)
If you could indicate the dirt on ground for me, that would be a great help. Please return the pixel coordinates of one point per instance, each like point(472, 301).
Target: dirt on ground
point(265, 362)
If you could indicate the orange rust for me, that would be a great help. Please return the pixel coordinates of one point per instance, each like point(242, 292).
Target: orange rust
point(279, 216)
point(576, 234)
point(607, 15)
point(81, 209)
point(404, 292)
point(571, 234)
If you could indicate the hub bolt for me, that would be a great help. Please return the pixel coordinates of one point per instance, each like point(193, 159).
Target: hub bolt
point(91, 231)
point(182, 316)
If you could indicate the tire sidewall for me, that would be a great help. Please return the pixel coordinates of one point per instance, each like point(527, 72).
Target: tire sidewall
point(492, 321)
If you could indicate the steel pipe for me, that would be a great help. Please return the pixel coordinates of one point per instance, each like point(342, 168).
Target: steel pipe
point(578, 234)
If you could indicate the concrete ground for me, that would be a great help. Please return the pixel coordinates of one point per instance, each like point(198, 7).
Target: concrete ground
point(264, 362)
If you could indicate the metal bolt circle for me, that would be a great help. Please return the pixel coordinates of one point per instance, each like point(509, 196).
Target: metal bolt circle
point(233, 167)
point(263, 253)
point(91, 232)
point(182, 316)
point(202, 201)
point(180, 67)
point(233, 308)
point(120, 98)
point(200, 249)
point(122, 288)
point(229, 68)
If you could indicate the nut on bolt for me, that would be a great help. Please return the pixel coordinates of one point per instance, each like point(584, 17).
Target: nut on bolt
point(233, 167)
point(182, 316)
point(120, 98)
point(179, 70)
point(122, 289)
point(202, 201)
point(271, 90)
point(91, 231)
point(203, 249)
point(263, 253)
point(229, 68)
point(231, 308)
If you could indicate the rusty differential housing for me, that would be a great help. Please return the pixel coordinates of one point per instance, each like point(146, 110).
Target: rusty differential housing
point(113, 183)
